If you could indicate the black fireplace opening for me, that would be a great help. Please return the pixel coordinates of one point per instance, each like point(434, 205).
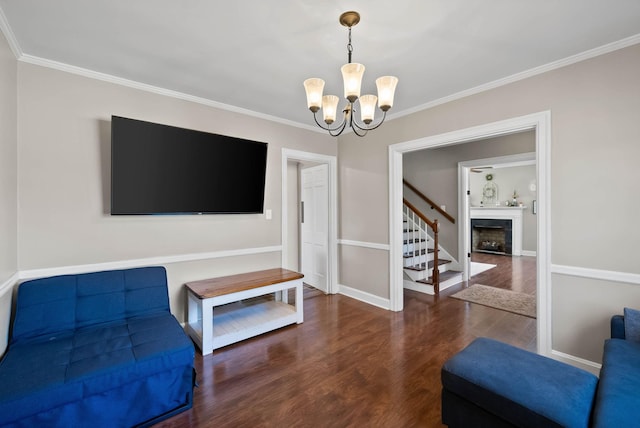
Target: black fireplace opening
point(491, 236)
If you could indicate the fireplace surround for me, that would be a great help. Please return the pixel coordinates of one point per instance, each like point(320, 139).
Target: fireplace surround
point(497, 230)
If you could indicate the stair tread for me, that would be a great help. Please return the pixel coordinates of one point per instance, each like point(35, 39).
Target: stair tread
point(443, 277)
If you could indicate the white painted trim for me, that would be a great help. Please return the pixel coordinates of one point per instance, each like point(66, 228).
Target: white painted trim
point(332, 162)
point(9, 35)
point(365, 297)
point(529, 253)
point(9, 283)
point(373, 245)
point(592, 53)
point(519, 159)
point(396, 234)
point(541, 123)
point(590, 366)
point(126, 264)
point(604, 275)
point(30, 59)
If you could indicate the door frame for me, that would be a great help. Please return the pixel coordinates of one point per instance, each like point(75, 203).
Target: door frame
point(332, 186)
point(464, 214)
point(539, 122)
point(310, 206)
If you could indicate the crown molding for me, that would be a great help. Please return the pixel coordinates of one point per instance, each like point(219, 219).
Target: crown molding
point(583, 56)
point(21, 56)
point(8, 34)
point(56, 65)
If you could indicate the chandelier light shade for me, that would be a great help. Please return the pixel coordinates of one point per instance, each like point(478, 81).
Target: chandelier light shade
point(314, 88)
point(386, 89)
point(352, 74)
point(368, 108)
point(330, 108)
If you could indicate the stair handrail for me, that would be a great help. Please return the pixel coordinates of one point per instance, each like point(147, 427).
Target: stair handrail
point(433, 225)
point(432, 204)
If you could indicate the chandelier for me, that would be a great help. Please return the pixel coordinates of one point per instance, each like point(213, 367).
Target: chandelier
point(352, 76)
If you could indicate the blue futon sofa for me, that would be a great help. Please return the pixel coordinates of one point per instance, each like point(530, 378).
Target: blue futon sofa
point(95, 350)
point(491, 384)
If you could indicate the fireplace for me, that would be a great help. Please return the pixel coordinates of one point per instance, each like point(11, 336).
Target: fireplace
point(491, 236)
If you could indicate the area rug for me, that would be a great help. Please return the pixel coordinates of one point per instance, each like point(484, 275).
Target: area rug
point(498, 298)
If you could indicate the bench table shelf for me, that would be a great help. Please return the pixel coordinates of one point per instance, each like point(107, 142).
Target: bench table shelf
point(226, 310)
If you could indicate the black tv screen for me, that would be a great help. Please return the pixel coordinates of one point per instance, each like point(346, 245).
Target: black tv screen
point(161, 169)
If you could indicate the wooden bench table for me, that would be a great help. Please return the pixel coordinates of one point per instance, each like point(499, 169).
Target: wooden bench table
point(219, 314)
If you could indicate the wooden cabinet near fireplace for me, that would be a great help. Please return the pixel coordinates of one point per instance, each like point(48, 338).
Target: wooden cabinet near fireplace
point(497, 230)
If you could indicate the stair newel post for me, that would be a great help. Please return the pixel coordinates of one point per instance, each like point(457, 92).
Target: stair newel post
point(436, 271)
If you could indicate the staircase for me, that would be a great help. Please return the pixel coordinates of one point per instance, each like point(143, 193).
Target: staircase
point(419, 254)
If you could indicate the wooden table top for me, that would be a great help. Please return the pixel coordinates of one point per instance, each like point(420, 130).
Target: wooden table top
point(213, 287)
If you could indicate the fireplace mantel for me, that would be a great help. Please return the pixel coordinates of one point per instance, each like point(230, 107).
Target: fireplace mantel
point(504, 213)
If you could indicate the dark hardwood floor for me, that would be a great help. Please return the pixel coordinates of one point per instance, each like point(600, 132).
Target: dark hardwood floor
point(352, 364)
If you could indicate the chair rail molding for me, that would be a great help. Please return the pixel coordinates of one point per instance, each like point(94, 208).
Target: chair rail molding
point(605, 275)
point(363, 244)
point(160, 260)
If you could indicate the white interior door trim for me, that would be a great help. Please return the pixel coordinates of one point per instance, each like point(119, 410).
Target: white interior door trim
point(541, 124)
point(331, 161)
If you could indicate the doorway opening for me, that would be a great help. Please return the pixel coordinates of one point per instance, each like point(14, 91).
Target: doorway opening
point(511, 212)
point(540, 124)
point(323, 262)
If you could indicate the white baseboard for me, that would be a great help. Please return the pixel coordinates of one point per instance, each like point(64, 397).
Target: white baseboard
point(529, 253)
point(9, 283)
point(365, 297)
point(587, 365)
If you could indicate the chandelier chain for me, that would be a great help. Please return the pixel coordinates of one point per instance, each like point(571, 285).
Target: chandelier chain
point(349, 46)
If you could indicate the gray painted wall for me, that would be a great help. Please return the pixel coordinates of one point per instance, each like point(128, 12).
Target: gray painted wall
point(594, 151)
point(63, 177)
point(8, 183)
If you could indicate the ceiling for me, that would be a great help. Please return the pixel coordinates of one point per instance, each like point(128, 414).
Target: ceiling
point(255, 54)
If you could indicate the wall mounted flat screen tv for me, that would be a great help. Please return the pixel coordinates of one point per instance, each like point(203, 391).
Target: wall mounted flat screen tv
point(161, 169)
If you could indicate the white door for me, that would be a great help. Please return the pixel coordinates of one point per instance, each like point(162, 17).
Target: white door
point(314, 230)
